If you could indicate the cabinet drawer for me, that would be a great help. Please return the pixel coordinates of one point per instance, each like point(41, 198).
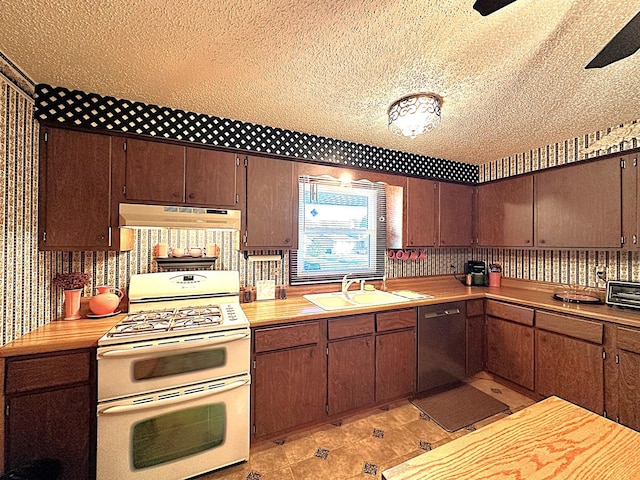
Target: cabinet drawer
point(45, 372)
point(629, 339)
point(286, 336)
point(351, 326)
point(571, 326)
point(507, 311)
point(397, 319)
point(475, 308)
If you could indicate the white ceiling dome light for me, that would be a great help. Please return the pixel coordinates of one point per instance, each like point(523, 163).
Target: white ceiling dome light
point(415, 114)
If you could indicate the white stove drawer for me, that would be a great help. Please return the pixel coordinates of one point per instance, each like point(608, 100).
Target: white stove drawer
point(145, 366)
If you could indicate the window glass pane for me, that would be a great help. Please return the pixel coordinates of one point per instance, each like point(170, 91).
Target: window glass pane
point(178, 434)
point(179, 363)
point(342, 229)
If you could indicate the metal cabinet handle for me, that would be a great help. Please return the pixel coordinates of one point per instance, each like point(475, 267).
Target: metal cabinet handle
point(441, 313)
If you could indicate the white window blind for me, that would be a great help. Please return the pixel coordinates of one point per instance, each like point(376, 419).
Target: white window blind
point(342, 229)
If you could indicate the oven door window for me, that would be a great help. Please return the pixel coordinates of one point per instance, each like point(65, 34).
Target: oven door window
point(178, 434)
point(176, 364)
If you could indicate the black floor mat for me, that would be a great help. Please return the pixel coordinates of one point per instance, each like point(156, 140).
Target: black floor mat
point(459, 407)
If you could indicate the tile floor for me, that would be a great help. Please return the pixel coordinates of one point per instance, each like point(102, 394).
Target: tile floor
point(360, 446)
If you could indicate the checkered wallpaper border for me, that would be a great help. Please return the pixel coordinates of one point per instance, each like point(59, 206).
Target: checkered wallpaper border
point(89, 110)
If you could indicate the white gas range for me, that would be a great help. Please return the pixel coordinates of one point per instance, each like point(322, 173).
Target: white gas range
point(173, 378)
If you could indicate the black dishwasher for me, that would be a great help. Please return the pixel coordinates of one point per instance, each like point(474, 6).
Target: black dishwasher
point(441, 345)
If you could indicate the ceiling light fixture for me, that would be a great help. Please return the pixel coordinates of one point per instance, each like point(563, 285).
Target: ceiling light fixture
point(415, 114)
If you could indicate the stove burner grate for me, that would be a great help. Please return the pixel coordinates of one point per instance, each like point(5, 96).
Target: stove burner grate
point(165, 320)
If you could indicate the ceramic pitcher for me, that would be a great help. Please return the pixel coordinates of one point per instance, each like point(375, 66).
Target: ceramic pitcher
point(106, 301)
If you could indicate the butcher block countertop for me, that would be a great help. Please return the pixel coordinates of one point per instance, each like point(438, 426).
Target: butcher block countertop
point(61, 335)
point(552, 439)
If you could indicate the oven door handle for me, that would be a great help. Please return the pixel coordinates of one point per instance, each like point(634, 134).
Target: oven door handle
point(172, 400)
point(171, 347)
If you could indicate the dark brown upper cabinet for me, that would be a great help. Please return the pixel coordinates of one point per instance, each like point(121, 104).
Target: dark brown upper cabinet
point(154, 171)
point(174, 174)
point(455, 215)
point(630, 201)
point(272, 204)
point(419, 213)
point(213, 178)
point(505, 213)
point(579, 205)
point(77, 208)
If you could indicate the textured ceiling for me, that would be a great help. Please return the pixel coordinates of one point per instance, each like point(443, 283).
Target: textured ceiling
point(511, 81)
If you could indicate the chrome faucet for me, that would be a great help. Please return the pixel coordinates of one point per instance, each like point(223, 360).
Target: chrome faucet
point(346, 283)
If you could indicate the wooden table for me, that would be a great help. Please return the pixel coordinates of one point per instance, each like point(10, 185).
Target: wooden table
point(552, 439)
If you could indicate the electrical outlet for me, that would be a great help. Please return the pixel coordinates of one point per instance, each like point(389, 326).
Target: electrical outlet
point(601, 273)
point(452, 267)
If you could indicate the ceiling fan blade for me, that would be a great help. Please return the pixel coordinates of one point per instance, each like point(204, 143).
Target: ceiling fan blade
point(487, 7)
point(625, 43)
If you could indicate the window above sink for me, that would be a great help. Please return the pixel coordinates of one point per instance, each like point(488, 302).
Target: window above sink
point(341, 230)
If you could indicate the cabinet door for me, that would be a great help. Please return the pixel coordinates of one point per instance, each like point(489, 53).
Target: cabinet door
point(54, 424)
point(272, 204)
point(571, 369)
point(505, 213)
point(420, 213)
point(630, 194)
point(154, 171)
point(395, 365)
point(455, 215)
point(475, 345)
point(579, 205)
point(510, 351)
point(211, 178)
point(629, 389)
point(290, 389)
point(350, 374)
point(75, 191)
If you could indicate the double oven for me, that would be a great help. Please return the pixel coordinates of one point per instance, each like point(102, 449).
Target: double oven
point(173, 379)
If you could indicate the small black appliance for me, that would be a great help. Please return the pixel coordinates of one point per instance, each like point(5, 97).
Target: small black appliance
point(477, 271)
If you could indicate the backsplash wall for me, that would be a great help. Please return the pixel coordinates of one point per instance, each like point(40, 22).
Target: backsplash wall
point(29, 300)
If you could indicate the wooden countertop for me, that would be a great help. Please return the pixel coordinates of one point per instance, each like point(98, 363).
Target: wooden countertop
point(552, 439)
point(64, 335)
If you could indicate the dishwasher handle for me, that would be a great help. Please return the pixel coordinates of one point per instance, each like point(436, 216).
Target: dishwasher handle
point(441, 313)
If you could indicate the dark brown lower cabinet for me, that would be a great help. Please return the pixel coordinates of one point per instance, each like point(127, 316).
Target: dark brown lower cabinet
point(350, 374)
point(50, 411)
point(571, 369)
point(289, 389)
point(628, 354)
point(52, 424)
point(475, 337)
point(395, 364)
point(629, 390)
point(510, 351)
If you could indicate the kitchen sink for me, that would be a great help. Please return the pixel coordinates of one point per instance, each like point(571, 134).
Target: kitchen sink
point(354, 299)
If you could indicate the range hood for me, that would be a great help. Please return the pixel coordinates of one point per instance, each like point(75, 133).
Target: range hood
point(162, 216)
